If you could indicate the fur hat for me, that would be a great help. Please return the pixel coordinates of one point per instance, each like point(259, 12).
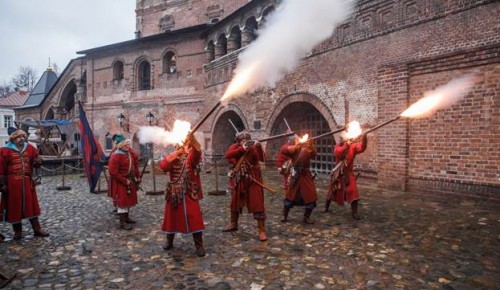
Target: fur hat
point(243, 135)
point(16, 133)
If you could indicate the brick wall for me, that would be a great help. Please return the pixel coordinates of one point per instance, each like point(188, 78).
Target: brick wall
point(370, 70)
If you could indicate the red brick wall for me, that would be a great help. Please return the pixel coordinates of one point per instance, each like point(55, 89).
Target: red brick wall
point(370, 70)
point(185, 13)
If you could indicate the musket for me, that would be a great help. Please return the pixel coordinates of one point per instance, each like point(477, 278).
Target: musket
point(276, 137)
point(327, 134)
point(144, 168)
point(381, 125)
point(234, 126)
point(197, 126)
point(288, 126)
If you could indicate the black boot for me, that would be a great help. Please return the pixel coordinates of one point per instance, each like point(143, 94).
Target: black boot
point(354, 210)
point(128, 220)
point(18, 231)
point(169, 244)
point(307, 215)
point(198, 243)
point(37, 229)
point(286, 210)
point(123, 222)
point(327, 205)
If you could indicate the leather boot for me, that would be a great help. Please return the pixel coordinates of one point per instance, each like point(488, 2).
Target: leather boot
point(233, 226)
point(261, 224)
point(198, 243)
point(123, 222)
point(327, 205)
point(354, 210)
point(18, 231)
point(128, 220)
point(37, 229)
point(307, 215)
point(286, 210)
point(169, 244)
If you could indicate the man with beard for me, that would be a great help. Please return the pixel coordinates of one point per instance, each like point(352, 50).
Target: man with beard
point(19, 197)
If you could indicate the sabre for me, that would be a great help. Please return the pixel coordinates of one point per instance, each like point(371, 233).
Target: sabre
point(264, 186)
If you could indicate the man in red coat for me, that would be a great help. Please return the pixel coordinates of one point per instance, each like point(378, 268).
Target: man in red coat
point(284, 162)
point(343, 185)
point(125, 180)
point(245, 180)
point(19, 198)
point(301, 190)
point(182, 209)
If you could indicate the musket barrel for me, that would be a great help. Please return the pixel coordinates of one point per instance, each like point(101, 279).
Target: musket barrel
point(205, 117)
point(381, 125)
point(276, 137)
point(328, 133)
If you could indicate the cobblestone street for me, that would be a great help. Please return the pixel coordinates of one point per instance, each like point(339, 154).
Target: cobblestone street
point(404, 241)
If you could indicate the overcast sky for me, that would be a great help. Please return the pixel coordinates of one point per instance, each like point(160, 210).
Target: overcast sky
point(31, 31)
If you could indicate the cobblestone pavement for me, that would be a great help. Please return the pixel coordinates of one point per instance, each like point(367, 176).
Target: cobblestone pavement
point(404, 241)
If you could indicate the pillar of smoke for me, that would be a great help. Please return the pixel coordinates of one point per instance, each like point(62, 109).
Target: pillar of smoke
point(289, 34)
point(442, 97)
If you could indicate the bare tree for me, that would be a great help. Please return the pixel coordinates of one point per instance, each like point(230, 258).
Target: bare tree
point(6, 88)
point(26, 78)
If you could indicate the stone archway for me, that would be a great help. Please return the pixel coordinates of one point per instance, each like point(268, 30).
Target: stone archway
point(67, 101)
point(224, 133)
point(304, 113)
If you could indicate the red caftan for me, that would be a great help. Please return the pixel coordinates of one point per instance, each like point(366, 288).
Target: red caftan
point(283, 162)
point(346, 153)
point(300, 182)
point(110, 188)
point(21, 200)
point(182, 212)
point(123, 167)
point(244, 191)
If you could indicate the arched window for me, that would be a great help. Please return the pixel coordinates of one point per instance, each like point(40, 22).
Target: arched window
point(221, 46)
point(234, 41)
point(249, 32)
point(144, 76)
point(210, 49)
point(169, 62)
point(118, 70)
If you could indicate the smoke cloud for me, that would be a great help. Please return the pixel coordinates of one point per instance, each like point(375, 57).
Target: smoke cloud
point(290, 32)
point(160, 136)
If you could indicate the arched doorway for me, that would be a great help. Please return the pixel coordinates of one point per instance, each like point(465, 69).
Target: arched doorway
point(224, 133)
point(304, 118)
